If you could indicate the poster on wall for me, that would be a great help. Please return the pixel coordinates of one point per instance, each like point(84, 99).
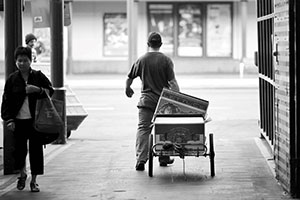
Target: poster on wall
point(40, 11)
point(219, 39)
point(161, 20)
point(190, 31)
point(115, 34)
point(43, 44)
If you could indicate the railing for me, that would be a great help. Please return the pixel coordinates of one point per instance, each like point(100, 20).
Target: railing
point(266, 71)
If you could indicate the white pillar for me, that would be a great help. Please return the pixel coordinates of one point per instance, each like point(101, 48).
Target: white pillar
point(131, 29)
point(244, 16)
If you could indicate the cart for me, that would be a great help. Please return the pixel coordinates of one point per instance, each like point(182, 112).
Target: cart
point(181, 130)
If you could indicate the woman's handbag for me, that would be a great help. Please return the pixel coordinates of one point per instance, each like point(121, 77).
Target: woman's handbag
point(48, 119)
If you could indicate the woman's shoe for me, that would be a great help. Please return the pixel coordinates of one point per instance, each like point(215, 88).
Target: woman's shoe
point(34, 187)
point(21, 182)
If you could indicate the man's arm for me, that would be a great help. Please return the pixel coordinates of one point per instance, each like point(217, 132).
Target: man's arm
point(128, 90)
point(174, 85)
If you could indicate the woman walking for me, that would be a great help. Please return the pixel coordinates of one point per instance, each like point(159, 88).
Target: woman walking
point(21, 91)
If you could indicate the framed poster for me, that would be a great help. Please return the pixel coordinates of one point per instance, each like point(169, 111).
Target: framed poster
point(161, 20)
point(190, 30)
point(43, 44)
point(115, 34)
point(219, 30)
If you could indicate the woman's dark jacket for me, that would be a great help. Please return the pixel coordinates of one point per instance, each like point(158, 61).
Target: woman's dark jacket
point(15, 93)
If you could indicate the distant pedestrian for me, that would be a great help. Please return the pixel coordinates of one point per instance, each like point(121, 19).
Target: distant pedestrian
point(21, 91)
point(30, 40)
point(156, 71)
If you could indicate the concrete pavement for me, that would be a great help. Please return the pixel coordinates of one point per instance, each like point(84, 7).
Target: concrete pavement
point(104, 168)
point(89, 169)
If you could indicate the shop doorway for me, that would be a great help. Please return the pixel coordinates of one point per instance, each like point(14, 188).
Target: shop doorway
point(277, 62)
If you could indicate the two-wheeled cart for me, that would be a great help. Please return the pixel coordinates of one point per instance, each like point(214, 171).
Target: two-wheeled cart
point(180, 136)
point(179, 129)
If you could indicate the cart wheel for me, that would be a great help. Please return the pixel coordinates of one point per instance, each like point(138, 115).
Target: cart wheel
point(211, 155)
point(150, 153)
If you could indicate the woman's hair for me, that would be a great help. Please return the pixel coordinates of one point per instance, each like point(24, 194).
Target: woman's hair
point(26, 51)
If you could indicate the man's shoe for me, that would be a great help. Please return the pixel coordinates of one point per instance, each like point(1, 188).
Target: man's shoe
point(140, 166)
point(165, 163)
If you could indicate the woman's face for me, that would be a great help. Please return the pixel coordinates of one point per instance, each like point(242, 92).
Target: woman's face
point(23, 63)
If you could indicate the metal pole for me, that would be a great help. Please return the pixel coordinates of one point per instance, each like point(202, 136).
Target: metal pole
point(295, 88)
point(57, 61)
point(13, 38)
point(297, 132)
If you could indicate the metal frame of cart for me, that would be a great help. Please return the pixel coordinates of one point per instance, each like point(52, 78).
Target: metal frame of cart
point(181, 149)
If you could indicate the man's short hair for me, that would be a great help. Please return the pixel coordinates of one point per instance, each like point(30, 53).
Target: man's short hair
point(154, 40)
point(20, 51)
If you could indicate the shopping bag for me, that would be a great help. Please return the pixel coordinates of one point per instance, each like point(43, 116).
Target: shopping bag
point(48, 115)
point(46, 138)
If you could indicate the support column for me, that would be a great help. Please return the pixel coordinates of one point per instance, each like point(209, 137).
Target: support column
point(295, 85)
point(244, 17)
point(12, 39)
point(69, 67)
point(132, 31)
point(57, 59)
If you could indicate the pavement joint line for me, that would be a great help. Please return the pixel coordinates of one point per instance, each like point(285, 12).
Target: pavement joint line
point(50, 155)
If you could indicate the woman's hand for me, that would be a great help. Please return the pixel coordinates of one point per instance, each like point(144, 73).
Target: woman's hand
point(32, 89)
point(11, 126)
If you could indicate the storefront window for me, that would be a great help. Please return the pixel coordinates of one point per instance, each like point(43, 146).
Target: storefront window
point(193, 29)
point(190, 31)
point(161, 20)
point(219, 39)
point(115, 34)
